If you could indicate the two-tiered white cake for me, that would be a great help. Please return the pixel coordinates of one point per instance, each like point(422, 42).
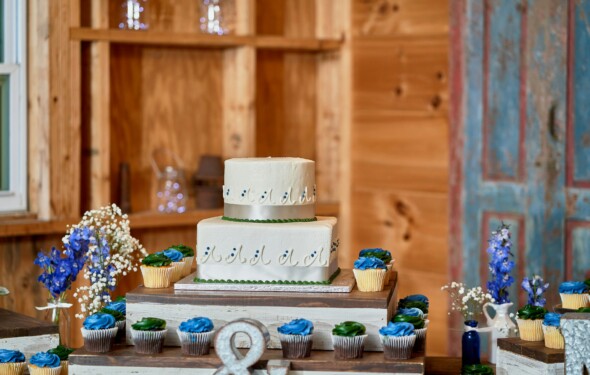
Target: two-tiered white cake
point(269, 232)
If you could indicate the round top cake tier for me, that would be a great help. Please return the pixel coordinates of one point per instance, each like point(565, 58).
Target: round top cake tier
point(267, 189)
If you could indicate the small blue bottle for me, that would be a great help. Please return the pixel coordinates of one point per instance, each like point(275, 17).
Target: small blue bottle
point(470, 345)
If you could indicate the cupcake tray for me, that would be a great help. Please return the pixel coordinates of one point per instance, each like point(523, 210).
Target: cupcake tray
point(373, 309)
point(516, 356)
point(124, 360)
point(343, 283)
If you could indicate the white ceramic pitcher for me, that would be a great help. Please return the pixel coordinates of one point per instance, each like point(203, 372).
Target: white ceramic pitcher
point(500, 326)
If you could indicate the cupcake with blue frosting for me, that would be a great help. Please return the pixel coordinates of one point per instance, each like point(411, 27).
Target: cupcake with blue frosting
point(188, 257)
point(177, 263)
point(99, 331)
point(44, 363)
point(384, 255)
point(552, 331)
point(574, 294)
point(12, 362)
point(296, 338)
point(398, 340)
point(370, 273)
point(195, 336)
point(118, 309)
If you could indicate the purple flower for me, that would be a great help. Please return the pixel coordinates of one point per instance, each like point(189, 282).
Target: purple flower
point(500, 264)
point(535, 287)
point(59, 271)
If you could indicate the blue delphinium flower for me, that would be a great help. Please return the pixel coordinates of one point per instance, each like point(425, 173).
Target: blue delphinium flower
point(59, 271)
point(535, 287)
point(500, 264)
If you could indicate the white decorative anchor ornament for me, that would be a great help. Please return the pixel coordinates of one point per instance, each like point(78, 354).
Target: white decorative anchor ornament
point(234, 362)
point(575, 328)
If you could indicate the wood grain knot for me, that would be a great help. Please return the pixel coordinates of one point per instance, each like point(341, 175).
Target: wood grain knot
point(436, 101)
point(398, 91)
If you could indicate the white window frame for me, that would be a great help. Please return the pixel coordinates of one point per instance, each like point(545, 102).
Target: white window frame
point(14, 65)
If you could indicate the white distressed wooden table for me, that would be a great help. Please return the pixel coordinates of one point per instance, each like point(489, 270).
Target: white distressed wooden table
point(26, 334)
point(516, 356)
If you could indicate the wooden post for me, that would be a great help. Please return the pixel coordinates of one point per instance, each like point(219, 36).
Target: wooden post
point(239, 76)
point(100, 188)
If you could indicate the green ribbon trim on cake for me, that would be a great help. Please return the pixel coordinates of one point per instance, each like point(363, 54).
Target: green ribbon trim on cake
point(277, 221)
point(270, 282)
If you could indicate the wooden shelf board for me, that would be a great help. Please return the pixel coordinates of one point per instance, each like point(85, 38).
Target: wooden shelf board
point(158, 38)
point(173, 358)
point(139, 220)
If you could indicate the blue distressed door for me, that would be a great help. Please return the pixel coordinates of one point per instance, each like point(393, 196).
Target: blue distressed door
point(520, 137)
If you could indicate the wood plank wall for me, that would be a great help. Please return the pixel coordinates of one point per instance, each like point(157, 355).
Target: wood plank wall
point(399, 144)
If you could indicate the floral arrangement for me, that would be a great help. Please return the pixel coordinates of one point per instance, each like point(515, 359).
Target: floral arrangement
point(467, 301)
point(500, 264)
point(104, 236)
point(535, 287)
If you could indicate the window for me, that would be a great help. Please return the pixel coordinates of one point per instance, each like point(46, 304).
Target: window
point(13, 122)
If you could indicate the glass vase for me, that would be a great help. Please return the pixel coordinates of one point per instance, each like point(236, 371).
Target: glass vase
point(470, 344)
point(59, 315)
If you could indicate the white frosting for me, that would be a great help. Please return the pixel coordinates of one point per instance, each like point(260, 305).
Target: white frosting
point(300, 251)
point(269, 181)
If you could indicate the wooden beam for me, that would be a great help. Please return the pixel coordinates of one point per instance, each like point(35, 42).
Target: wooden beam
point(239, 122)
point(99, 153)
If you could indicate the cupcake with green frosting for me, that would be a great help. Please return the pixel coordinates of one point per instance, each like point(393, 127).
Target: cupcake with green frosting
point(420, 325)
point(195, 336)
point(63, 352)
point(370, 274)
point(382, 254)
point(156, 270)
point(530, 322)
point(148, 335)
point(177, 263)
point(44, 363)
point(349, 340)
point(99, 331)
point(188, 257)
point(12, 362)
point(419, 301)
point(477, 370)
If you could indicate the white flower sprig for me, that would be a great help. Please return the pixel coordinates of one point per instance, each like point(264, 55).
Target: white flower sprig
point(111, 252)
point(467, 301)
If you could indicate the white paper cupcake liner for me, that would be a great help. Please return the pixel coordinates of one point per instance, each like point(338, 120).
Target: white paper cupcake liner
point(177, 270)
point(12, 368)
point(349, 347)
point(188, 266)
point(530, 329)
point(195, 343)
point(553, 337)
point(370, 280)
point(420, 344)
point(156, 277)
point(574, 301)
point(398, 347)
point(148, 342)
point(296, 346)
point(35, 370)
point(99, 340)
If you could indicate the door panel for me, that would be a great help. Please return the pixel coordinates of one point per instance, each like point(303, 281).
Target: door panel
point(520, 128)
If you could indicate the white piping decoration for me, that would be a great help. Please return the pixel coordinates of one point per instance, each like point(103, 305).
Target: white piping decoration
point(259, 257)
point(310, 259)
point(209, 254)
point(287, 256)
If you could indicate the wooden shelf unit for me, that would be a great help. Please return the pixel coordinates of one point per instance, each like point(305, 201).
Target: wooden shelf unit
point(274, 87)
